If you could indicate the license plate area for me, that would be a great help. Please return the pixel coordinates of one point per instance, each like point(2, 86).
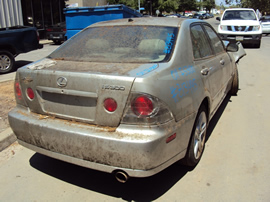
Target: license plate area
point(239, 38)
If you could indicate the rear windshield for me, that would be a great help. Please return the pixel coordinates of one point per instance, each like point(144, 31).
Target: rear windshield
point(239, 15)
point(117, 44)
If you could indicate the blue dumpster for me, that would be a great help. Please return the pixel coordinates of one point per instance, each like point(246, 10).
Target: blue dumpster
point(80, 17)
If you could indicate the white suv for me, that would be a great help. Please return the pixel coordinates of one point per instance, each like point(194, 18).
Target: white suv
point(240, 24)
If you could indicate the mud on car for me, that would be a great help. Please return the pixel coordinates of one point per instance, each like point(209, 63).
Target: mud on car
point(129, 97)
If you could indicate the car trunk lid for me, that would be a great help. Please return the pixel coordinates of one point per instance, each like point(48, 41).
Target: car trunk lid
point(74, 91)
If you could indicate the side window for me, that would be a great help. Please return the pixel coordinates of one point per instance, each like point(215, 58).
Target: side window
point(201, 46)
point(215, 41)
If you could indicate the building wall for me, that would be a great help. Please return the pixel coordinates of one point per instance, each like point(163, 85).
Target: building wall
point(10, 13)
point(87, 3)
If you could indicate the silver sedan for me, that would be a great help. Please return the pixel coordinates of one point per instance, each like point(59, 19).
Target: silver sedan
point(129, 97)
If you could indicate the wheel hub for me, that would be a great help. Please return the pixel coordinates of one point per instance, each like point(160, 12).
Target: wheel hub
point(4, 62)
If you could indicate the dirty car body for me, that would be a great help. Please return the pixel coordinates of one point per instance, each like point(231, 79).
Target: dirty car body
point(134, 95)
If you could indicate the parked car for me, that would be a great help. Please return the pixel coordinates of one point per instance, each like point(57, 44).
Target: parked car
point(172, 16)
point(14, 41)
point(205, 15)
point(210, 15)
point(265, 22)
point(125, 97)
point(240, 24)
point(198, 16)
point(57, 33)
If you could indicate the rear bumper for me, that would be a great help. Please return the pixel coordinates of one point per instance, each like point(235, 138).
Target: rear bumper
point(56, 36)
point(137, 150)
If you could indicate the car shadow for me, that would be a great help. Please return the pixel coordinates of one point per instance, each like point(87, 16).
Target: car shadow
point(135, 189)
point(21, 63)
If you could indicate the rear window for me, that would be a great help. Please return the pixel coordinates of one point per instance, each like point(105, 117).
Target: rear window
point(117, 44)
point(239, 15)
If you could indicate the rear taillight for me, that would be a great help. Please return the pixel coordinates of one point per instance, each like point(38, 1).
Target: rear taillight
point(110, 104)
point(142, 106)
point(30, 93)
point(145, 109)
point(64, 30)
point(18, 90)
point(49, 30)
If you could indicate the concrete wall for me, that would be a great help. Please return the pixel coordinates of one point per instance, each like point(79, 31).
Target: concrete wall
point(10, 13)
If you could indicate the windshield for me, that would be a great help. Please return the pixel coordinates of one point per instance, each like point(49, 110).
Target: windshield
point(239, 15)
point(265, 19)
point(116, 44)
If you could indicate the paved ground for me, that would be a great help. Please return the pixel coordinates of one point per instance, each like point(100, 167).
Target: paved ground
point(235, 165)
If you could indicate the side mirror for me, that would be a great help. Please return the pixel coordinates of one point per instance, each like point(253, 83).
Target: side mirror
point(232, 47)
point(218, 18)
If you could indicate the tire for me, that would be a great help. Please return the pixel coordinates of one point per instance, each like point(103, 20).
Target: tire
point(235, 82)
point(6, 62)
point(197, 141)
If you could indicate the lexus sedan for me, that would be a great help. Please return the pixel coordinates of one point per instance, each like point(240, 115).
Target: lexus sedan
point(128, 97)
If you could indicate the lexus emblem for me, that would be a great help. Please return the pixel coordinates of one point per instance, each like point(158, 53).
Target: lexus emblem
point(62, 82)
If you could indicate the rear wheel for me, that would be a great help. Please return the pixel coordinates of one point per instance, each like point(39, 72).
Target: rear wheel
point(6, 62)
point(197, 141)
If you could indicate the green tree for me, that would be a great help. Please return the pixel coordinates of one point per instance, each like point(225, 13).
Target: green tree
point(209, 4)
point(262, 5)
point(168, 5)
point(187, 5)
point(129, 3)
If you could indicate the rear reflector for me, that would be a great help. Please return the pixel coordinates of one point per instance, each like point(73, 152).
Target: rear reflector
point(110, 104)
point(171, 138)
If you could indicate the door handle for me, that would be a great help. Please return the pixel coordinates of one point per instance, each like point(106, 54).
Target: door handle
point(205, 71)
point(222, 62)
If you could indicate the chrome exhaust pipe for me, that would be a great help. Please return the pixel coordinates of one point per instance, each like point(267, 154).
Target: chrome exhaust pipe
point(121, 176)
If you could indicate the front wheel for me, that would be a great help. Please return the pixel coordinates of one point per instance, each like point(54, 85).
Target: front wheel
point(6, 62)
point(197, 141)
point(235, 83)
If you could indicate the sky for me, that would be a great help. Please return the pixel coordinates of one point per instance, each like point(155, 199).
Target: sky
point(219, 1)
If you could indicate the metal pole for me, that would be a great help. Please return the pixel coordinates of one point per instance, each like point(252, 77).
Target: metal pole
point(139, 3)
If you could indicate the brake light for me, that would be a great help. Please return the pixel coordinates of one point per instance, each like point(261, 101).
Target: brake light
point(64, 30)
point(30, 93)
point(18, 90)
point(49, 30)
point(145, 109)
point(110, 104)
point(142, 106)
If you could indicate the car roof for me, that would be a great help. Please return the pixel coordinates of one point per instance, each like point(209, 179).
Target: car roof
point(239, 9)
point(149, 21)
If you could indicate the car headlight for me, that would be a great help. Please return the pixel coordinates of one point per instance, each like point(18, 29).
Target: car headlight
point(224, 28)
point(256, 28)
